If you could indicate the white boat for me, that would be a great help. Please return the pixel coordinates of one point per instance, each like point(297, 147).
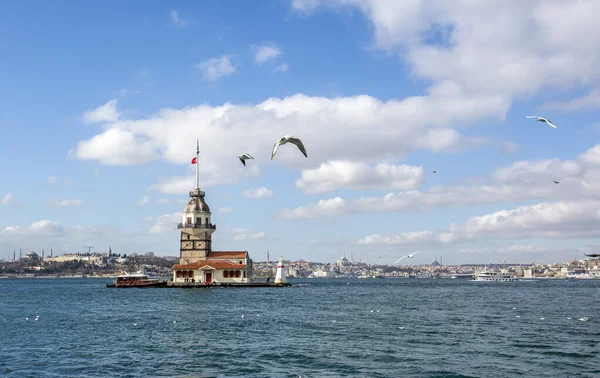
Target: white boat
point(139, 279)
point(494, 276)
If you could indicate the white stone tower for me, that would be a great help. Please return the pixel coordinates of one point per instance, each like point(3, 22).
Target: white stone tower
point(280, 275)
point(196, 227)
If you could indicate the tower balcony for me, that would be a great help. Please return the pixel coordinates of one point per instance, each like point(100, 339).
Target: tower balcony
point(197, 193)
point(209, 226)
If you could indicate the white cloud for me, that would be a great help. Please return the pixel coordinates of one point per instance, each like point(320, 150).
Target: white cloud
point(245, 234)
point(428, 123)
point(104, 113)
point(526, 46)
point(216, 68)
point(6, 199)
point(511, 250)
point(56, 180)
point(65, 203)
point(116, 147)
point(335, 175)
point(523, 180)
point(165, 223)
point(225, 210)
point(589, 101)
point(176, 20)
point(143, 201)
point(40, 228)
point(47, 234)
point(266, 52)
point(163, 201)
point(282, 68)
point(557, 220)
point(262, 192)
point(210, 175)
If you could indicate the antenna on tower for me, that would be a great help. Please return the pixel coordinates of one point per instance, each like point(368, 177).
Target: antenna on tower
point(197, 163)
point(89, 247)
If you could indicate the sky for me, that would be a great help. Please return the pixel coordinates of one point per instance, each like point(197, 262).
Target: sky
point(101, 105)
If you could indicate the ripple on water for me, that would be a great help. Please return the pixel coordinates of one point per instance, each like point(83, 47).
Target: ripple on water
point(451, 329)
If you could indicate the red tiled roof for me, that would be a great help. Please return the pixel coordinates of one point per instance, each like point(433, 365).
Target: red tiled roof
point(217, 264)
point(227, 254)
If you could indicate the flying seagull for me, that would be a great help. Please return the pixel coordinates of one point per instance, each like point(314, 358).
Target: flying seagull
point(434, 171)
point(243, 157)
point(556, 182)
point(289, 139)
point(409, 256)
point(542, 119)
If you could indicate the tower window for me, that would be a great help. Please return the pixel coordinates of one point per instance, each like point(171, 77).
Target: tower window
point(206, 220)
point(189, 220)
point(188, 237)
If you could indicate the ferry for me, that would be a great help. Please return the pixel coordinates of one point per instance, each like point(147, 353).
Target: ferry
point(494, 276)
point(139, 279)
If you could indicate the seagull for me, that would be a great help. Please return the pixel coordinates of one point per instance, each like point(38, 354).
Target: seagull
point(288, 139)
point(434, 171)
point(542, 119)
point(245, 156)
point(556, 182)
point(409, 256)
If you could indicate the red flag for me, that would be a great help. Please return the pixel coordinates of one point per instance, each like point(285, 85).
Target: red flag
point(194, 161)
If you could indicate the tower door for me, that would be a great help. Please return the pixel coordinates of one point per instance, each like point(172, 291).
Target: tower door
point(208, 277)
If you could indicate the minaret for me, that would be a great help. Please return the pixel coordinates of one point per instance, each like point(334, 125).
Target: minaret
point(196, 227)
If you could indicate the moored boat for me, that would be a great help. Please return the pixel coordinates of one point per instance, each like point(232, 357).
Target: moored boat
point(139, 279)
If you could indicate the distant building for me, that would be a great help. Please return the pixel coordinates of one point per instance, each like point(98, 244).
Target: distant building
point(31, 256)
point(197, 260)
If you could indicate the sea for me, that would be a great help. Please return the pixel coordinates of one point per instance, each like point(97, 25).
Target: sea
point(315, 328)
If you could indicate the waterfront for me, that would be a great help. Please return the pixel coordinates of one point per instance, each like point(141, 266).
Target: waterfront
point(316, 328)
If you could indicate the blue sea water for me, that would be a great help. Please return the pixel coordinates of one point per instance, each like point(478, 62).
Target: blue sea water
point(316, 328)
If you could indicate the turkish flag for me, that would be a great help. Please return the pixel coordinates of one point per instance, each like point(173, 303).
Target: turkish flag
point(194, 161)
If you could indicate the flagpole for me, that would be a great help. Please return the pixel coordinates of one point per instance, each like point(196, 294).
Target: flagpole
point(197, 162)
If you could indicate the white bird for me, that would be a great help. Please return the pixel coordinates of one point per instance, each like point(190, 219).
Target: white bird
point(288, 139)
point(409, 256)
point(243, 157)
point(542, 119)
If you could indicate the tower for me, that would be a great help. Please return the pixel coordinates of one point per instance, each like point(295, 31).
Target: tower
point(280, 275)
point(196, 227)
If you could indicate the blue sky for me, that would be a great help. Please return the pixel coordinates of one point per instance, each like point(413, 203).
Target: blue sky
point(101, 105)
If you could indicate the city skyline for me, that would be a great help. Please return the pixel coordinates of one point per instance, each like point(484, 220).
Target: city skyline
point(413, 117)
